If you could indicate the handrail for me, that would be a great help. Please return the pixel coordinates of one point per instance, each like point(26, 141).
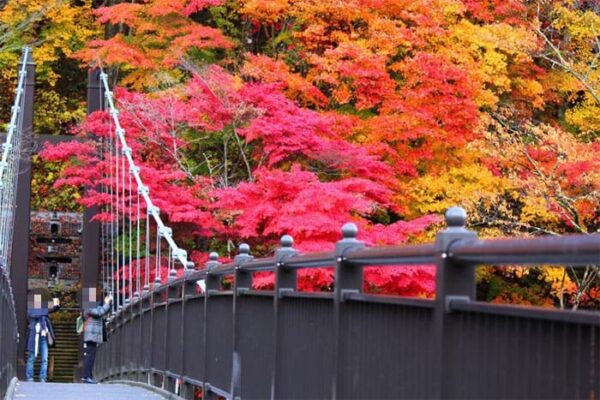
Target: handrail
point(393, 255)
point(574, 250)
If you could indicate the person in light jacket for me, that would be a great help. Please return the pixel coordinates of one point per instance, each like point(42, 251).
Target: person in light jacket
point(92, 332)
point(40, 335)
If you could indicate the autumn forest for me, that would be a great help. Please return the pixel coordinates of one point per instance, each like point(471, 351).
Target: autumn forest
point(251, 119)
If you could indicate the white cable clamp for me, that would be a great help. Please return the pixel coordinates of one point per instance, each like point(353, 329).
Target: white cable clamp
point(120, 132)
point(15, 109)
point(126, 151)
point(153, 210)
point(164, 231)
point(143, 190)
point(177, 253)
point(134, 170)
point(6, 146)
point(114, 112)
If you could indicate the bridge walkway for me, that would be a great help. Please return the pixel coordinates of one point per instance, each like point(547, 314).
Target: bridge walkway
point(79, 391)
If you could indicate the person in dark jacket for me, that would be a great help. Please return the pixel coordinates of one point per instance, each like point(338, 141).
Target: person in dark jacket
point(40, 335)
point(92, 332)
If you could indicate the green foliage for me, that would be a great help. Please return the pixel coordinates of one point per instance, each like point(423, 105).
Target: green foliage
point(44, 196)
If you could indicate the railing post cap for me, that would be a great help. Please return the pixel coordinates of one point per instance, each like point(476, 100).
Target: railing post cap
point(287, 241)
point(244, 248)
point(213, 261)
point(456, 217)
point(348, 241)
point(349, 230)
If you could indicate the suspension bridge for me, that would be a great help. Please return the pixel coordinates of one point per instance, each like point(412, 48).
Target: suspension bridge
point(207, 333)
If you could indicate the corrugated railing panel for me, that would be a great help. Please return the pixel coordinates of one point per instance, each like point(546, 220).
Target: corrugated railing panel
point(219, 341)
point(116, 351)
point(173, 340)
point(385, 337)
point(129, 338)
point(146, 337)
point(510, 357)
point(256, 344)
point(193, 339)
point(304, 365)
point(135, 323)
point(159, 335)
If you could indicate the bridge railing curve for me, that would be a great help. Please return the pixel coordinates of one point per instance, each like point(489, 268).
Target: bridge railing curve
point(9, 177)
point(232, 341)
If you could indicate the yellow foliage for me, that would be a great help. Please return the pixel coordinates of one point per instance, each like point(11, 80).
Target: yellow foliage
point(268, 11)
point(578, 79)
point(586, 117)
point(470, 185)
point(489, 52)
point(54, 29)
point(536, 211)
point(559, 279)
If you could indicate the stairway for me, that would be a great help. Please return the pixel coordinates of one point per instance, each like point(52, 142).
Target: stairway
point(64, 356)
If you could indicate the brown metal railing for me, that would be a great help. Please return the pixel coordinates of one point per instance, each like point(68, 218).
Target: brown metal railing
point(8, 333)
point(286, 344)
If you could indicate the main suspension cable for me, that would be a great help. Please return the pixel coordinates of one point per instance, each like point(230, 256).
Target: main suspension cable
point(122, 207)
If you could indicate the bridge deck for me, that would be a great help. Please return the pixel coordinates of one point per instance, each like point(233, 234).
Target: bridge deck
point(78, 391)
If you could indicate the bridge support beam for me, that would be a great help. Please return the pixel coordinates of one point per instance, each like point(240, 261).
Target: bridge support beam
point(20, 248)
point(90, 236)
point(91, 230)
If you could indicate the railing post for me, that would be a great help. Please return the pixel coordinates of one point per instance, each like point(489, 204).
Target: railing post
point(454, 282)
point(212, 285)
point(285, 281)
point(242, 284)
point(20, 248)
point(348, 279)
